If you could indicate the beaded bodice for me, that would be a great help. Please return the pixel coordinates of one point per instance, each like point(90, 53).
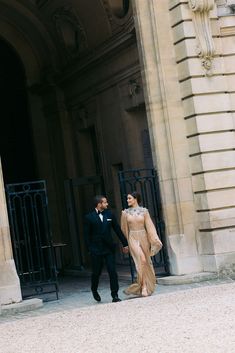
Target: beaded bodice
point(136, 211)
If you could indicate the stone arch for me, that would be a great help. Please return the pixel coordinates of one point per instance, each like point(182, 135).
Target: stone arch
point(27, 38)
point(26, 33)
point(22, 28)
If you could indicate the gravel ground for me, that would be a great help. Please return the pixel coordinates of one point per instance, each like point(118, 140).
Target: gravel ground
point(200, 320)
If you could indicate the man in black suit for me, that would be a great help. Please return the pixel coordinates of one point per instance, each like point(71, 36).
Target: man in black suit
point(98, 225)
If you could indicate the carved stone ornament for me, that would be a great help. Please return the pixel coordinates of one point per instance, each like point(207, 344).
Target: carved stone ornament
point(225, 7)
point(201, 18)
point(231, 4)
point(134, 88)
point(119, 14)
point(83, 115)
point(70, 30)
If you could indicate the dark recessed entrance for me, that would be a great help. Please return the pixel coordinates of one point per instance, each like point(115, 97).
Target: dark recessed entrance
point(15, 132)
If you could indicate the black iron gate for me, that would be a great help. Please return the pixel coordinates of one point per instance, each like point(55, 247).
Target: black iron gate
point(79, 194)
point(145, 181)
point(31, 238)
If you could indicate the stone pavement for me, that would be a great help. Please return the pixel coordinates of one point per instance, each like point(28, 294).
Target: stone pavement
point(195, 318)
point(75, 293)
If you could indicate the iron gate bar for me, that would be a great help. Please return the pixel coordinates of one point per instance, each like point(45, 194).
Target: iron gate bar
point(31, 237)
point(145, 181)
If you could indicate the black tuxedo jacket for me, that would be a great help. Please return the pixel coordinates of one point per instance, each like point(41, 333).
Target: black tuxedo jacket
point(98, 234)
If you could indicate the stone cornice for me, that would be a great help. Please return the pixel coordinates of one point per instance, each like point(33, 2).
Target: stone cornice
point(201, 18)
point(106, 50)
point(41, 3)
point(70, 30)
point(86, 63)
point(116, 22)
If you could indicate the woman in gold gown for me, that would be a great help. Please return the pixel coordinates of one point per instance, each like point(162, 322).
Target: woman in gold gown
point(143, 242)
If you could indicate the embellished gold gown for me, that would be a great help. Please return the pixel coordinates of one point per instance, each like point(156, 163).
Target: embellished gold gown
point(143, 242)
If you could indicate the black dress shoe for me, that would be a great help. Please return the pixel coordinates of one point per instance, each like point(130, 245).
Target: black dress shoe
point(96, 296)
point(116, 299)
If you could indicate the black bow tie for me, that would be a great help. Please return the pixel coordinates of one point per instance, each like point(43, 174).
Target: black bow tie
point(100, 212)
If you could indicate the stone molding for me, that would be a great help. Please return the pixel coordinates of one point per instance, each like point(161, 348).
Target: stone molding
point(83, 115)
point(231, 3)
point(226, 3)
point(225, 7)
point(70, 30)
point(132, 94)
point(10, 291)
point(41, 3)
point(117, 23)
point(201, 18)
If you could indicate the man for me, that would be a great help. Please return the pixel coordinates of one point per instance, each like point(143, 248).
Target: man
point(98, 225)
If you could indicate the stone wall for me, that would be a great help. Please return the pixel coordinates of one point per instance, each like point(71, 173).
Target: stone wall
point(168, 133)
point(80, 78)
point(207, 94)
point(9, 282)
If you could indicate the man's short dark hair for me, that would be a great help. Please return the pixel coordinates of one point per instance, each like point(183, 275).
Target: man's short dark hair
point(98, 199)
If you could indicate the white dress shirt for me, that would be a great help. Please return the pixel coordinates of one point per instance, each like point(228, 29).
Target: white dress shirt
point(100, 215)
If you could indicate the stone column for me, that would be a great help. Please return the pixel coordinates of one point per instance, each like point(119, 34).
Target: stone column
point(10, 291)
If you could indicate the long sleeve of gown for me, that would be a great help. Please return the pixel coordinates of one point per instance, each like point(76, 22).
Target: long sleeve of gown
point(155, 242)
point(124, 224)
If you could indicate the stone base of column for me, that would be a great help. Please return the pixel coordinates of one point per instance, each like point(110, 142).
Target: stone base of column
point(224, 264)
point(187, 279)
point(10, 291)
point(25, 305)
point(183, 259)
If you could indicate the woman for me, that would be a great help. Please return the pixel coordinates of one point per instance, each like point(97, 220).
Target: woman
point(143, 242)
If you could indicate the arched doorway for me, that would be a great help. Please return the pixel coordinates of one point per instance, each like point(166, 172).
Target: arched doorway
point(91, 122)
point(27, 198)
point(16, 148)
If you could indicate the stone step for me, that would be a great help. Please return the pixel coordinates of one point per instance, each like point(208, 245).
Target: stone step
point(25, 305)
point(187, 279)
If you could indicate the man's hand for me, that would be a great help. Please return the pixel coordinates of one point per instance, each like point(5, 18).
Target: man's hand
point(125, 250)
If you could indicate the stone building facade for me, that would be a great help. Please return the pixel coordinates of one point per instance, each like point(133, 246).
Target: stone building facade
point(90, 82)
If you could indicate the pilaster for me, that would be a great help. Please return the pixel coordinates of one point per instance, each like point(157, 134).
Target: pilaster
point(207, 98)
point(10, 291)
point(167, 131)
